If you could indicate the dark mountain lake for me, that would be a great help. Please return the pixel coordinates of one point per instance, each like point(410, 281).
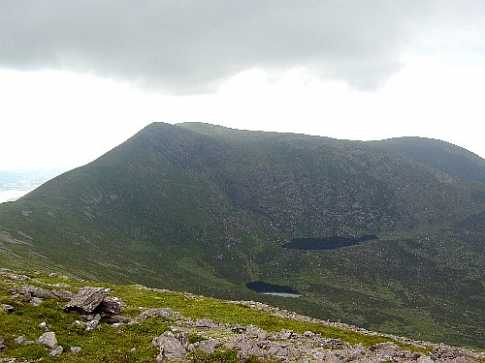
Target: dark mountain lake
point(330, 243)
point(265, 288)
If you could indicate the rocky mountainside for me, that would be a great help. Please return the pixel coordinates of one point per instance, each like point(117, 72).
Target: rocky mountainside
point(58, 318)
point(386, 235)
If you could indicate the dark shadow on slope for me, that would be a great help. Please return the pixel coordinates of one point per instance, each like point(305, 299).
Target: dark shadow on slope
point(330, 243)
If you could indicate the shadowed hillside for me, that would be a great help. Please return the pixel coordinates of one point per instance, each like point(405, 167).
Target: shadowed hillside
point(209, 209)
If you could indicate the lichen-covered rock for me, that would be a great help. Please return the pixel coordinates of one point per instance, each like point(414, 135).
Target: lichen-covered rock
point(48, 339)
point(164, 313)
point(63, 294)
point(29, 292)
point(57, 351)
point(111, 305)
point(36, 301)
point(205, 323)
point(7, 308)
point(13, 276)
point(87, 300)
point(208, 346)
point(21, 340)
point(117, 319)
point(93, 323)
point(171, 349)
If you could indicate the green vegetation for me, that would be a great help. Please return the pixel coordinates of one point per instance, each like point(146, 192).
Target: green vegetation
point(206, 209)
point(109, 344)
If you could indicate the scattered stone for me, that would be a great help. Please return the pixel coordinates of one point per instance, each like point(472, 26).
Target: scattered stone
point(7, 308)
point(255, 332)
point(36, 301)
point(87, 300)
point(29, 292)
point(164, 313)
point(207, 346)
point(21, 340)
point(205, 323)
point(170, 347)
point(57, 351)
point(111, 306)
point(2, 344)
point(48, 339)
point(93, 324)
point(43, 326)
point(425, 360)
point(13, 276)
point(63, 294)
point(283, 335)
point(75, 350)
point(238, 329)
point(117, 319)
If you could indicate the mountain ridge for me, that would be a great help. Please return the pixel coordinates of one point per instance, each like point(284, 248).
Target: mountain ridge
point(207, 209)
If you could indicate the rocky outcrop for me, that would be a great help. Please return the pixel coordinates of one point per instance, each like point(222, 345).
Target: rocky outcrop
point(87, 300)
point(188, 340)
point(30, 292)
point(170, 348)
point(7, 308)
point(48, 339)
point(164, 313)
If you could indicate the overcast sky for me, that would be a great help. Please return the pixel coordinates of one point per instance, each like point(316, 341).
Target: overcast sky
point(79, 77)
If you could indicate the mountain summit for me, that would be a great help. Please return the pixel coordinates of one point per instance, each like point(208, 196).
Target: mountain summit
point(384, 234)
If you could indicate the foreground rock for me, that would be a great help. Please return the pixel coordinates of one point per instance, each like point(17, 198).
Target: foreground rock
point(48, 339)
point(7, 308)
point(95, 300)
point(189, 340)
point(87, 300)
point(21, 340)
point(164, 313)
point(170, 348)
point(32, 291)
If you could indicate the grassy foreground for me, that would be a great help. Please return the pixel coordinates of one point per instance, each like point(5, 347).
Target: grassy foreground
point(132, 343)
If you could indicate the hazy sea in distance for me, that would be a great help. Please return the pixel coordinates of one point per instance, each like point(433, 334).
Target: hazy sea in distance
point(15, 184)
point(11, 195)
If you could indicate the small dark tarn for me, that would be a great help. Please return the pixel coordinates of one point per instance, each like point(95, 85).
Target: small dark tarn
point(263, 287)
point(330, 243)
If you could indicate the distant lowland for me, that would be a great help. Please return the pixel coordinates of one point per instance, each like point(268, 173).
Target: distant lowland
point(15, 184)
point(387, 235)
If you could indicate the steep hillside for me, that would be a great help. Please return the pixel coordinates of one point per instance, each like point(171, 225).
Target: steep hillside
point(209, 209)
point(445, 157)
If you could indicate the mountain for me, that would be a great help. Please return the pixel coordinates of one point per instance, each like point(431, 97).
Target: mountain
point(386, 235)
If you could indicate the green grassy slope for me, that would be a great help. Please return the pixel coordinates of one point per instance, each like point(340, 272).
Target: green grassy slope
point(206, 209)
point(110, 344)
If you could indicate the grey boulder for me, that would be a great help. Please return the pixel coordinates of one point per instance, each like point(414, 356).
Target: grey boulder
point(171, 349)
point(87, 300)
point(48, 339)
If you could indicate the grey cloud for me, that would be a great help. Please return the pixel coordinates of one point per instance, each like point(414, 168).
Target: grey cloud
point(189, 46)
